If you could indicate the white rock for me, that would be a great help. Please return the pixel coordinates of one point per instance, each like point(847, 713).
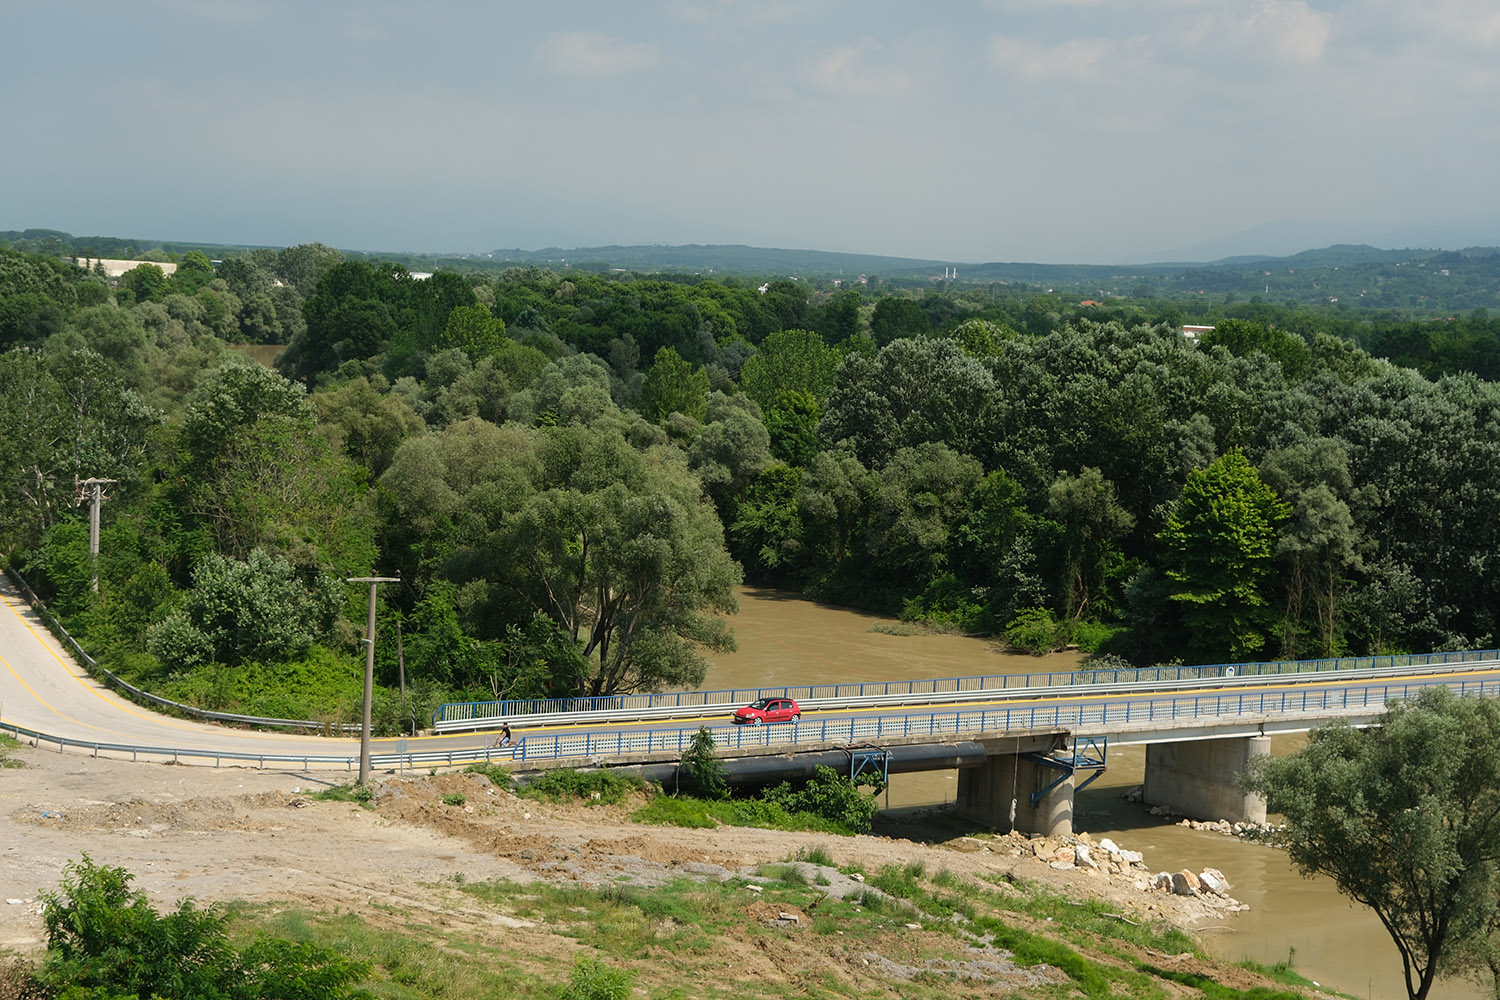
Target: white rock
point(1108, 847)
point(1131, 857)
point(1184, 883)
point(1083, 858)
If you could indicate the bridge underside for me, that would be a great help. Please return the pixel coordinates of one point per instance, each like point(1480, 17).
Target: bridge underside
point(1016, 782)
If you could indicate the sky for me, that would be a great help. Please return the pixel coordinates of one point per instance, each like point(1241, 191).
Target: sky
point(1069, 131)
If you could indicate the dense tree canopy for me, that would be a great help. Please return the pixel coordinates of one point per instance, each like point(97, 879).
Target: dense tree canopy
point(572, 469)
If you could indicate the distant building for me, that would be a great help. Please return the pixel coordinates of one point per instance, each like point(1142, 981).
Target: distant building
point(115, 268)
point(1194, 332)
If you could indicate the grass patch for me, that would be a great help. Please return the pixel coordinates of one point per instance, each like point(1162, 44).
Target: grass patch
point(499, 776)
point(684, 810)
point(814, 856)
point(361, 794)
point(789, 874)
point(7, 744)
point(567, 784)
point(899, 628)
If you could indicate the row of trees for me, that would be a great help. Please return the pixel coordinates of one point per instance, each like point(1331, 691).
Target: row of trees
point(573, 474)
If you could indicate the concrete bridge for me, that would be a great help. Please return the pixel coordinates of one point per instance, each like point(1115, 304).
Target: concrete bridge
point(1022, 745)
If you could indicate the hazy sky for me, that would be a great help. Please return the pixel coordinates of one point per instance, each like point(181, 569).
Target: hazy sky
point(1048, 130)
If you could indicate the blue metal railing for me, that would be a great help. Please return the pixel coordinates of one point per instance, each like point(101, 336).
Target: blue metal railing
point(1093, 717)
point(731, 697)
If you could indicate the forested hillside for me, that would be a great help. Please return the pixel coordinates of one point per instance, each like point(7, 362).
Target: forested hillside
point(572, 471)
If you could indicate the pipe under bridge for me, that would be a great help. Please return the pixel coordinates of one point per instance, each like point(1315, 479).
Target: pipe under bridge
point(1025, 782)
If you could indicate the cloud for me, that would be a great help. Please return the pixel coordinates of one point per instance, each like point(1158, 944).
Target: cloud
point(847, 72)
point(1075, 58)
point(584, 53)
point(1291, 28)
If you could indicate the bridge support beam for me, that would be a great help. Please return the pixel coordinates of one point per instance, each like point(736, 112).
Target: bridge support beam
point(1198, 778)
point(987, 793)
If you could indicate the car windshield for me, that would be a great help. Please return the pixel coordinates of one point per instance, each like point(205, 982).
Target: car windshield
point(760, 703)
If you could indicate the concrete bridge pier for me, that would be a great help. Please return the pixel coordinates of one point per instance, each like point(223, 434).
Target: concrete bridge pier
point(986, 794)
point(1197, 778)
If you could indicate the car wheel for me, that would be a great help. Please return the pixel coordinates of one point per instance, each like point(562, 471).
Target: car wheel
point(797, 717)
point(757, 720)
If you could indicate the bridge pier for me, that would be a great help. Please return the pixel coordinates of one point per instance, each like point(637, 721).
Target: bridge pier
point(986, 794)
point(1198, 778)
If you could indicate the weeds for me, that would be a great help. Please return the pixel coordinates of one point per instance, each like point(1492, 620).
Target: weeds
point(605, 787)
point(814, 856)
point(499, 776)
point(363, 794)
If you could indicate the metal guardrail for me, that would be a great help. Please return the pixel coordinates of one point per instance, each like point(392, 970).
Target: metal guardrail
point(594, 747)
point(453, 715)
point(380, 761)
point(1060, 718)
point(56, 627)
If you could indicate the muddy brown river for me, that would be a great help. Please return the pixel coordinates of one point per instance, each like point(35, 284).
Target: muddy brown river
point(785, 640)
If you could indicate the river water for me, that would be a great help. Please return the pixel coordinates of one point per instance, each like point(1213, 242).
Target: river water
point(785, 640)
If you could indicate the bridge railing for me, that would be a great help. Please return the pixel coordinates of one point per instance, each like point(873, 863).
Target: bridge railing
point(728, 698)
point(1091, 717)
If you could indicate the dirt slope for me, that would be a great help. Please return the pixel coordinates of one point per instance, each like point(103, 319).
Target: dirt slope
point(234, 833)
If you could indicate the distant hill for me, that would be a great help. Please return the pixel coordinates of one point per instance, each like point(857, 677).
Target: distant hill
point(1344, 275)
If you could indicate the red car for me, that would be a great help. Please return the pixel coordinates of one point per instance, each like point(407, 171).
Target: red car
point(769, 710)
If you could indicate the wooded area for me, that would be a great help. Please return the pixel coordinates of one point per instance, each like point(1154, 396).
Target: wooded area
point(572, 471)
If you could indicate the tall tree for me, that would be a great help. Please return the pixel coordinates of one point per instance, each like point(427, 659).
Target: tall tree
point(1404, 817)
point(1220, 537)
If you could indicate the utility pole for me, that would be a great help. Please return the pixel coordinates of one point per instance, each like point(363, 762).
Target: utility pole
point(95, 493)
point(364, 732)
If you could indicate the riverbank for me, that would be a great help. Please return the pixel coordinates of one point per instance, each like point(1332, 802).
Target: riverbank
point(413, 857)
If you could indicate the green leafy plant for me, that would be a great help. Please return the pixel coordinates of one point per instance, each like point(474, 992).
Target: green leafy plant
point(455, 799)
point(702, 766)
point(105, 937)
point(567, 783)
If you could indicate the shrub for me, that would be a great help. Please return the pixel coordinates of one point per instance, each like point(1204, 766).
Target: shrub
point(828, 795)
point(567, 783)
point(703, 767)
point(1035, 631)
point(593, 980)
point(105, 938)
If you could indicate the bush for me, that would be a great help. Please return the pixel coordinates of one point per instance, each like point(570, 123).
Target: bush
point(567, 783)
point(703, 768)
point(1035, 631)
point(104, 938)
point(593, 980)
point(828, 795)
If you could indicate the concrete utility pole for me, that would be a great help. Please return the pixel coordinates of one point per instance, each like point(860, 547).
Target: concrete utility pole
point(95, 494)
point(364, 732)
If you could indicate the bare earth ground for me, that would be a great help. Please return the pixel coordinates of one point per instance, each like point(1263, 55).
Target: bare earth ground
point(218, 834)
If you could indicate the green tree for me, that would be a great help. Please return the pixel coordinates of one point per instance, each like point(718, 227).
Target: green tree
point(473, 330)
point(896, 317)
point(702, 766)
point(241, 611)
point(1220, 538)
point(790, 361)
point(1093, 522)
point(1404, 817)
point(673, 385)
